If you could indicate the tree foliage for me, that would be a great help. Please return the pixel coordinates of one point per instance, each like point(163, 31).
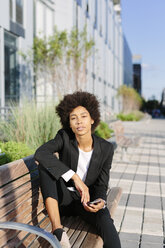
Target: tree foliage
point(61, 59)
point(130, 98)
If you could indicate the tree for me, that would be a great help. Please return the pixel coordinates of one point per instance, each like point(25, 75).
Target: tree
point(61, 60)
point(130, 98)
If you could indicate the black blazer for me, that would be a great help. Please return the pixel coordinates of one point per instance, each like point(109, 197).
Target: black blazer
point(66, 145)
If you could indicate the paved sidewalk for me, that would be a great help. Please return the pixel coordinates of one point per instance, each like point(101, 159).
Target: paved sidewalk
point(140, 216)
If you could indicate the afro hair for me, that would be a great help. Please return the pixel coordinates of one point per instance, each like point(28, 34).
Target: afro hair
point(72, 101)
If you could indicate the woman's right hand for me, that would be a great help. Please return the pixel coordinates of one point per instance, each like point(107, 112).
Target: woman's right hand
point(82, 188)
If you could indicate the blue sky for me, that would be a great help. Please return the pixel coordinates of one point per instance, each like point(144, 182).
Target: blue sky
point(144, 27)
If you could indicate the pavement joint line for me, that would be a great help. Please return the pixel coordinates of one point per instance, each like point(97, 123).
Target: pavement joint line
point(140, 209)
point(141, 193)
point(127, 199)
point(140, 173)
point(161, 196)
point(139, 182)
point(144, 203)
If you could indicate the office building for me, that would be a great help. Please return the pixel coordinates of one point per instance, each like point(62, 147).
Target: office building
point(137, 73)
point(127, 64)
point(16, 35)
point(21, 20)
point(104, 67)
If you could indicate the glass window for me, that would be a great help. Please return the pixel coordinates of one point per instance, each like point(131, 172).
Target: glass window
point(19, 11)
point(11, 9)
point(11, 69)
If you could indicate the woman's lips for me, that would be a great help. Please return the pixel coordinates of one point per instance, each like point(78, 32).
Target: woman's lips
point(80, 128)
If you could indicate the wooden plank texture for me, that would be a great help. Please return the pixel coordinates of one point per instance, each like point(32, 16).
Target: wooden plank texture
point(15, 169)
point(21, 201)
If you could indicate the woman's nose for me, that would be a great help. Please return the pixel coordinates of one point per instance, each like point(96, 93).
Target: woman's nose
point(79, 120)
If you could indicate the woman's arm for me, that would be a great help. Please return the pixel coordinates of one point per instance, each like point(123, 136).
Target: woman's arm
point(46, 157)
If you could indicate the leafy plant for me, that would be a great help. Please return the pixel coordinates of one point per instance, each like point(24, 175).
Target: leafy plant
point(103, 130)
point(14, 151)
point(133, 116)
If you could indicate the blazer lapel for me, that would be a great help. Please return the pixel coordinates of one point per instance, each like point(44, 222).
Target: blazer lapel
point(74, 154)
point(94, 163)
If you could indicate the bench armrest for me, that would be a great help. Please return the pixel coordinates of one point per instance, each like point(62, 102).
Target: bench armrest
point(32, 229)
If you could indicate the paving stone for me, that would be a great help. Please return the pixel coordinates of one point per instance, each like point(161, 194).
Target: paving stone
point(152, 178)
point(151, 245)
point(129, 236)
point(153, 202)
point(129, 244)
point(128, 176)
point(152, 239)
point(136, 200)
point(163, 179)
point(140, 177)
point(152, 224)
point(138, 188)
point(123, 199)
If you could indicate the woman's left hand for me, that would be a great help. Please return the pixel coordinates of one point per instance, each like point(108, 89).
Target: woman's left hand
point(94, 207)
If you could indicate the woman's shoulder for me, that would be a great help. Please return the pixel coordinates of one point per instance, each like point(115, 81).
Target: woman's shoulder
point(104, 143)
point(65, 133)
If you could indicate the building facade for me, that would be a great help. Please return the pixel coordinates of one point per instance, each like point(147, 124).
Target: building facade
point(21, 20)
point(137, 78)
point(127, 64)
point(105, 66)
point(137, 73)
point(16, 34)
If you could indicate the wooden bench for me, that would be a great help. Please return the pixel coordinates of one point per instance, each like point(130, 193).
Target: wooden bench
point(121, 139)
point(21, 202)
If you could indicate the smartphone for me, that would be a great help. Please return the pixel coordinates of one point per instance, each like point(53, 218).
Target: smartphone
point(95, 202)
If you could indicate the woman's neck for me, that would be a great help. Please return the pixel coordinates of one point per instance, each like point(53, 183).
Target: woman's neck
point(85, 143)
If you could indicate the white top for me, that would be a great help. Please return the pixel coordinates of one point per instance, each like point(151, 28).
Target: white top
point(82, 167)
point(83, 163)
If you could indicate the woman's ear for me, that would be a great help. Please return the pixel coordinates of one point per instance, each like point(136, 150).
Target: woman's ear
point(92, 122)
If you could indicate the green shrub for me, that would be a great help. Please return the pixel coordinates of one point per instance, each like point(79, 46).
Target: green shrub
point(103, 130)
point(133, 116)
point(14, 151)
point(31, 124)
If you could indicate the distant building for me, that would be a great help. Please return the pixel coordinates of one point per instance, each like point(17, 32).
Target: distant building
point(163, 99)
point(137, 74)
point(127, 64)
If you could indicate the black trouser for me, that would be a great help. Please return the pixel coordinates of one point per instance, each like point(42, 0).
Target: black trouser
point(70, 204)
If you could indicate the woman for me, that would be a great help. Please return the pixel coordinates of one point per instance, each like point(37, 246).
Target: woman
point(81, 174)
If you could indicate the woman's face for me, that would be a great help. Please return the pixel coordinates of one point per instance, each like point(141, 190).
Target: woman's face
point(80, 121)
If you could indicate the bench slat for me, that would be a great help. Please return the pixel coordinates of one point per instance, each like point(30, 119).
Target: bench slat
point(82, 235)
point(16, 202)
point(16, 193)
point(15, 184)
point(15, 169)
point(92, 240)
